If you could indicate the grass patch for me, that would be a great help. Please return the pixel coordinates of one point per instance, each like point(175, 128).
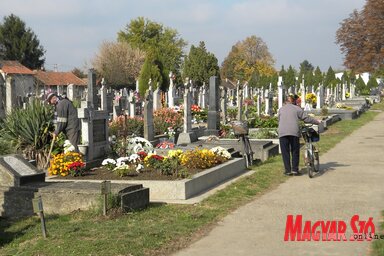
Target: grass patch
point(161, 228)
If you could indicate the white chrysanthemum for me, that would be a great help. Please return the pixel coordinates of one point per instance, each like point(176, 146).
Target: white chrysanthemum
point(133, 158)
point(68, 147)
point(108, 161)
point(139, 167)
point(220, 151)
point(121, 161)
point(137, 144)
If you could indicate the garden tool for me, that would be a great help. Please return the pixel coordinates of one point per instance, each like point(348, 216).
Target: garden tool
point(50, 151)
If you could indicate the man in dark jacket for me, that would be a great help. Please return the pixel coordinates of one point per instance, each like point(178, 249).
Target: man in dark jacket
point(67, 120)
point(289, 134)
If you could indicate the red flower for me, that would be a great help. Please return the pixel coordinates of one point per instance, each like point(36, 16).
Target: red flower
point(142, 155)
point(165, 145)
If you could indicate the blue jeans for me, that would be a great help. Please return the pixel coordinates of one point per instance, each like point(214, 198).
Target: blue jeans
point(290, 149)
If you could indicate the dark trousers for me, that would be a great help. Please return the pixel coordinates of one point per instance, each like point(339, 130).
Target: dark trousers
point(290, 149)
point(74, 137)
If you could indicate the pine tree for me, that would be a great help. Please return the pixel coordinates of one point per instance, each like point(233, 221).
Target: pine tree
point(200, 65)
point(20, 43)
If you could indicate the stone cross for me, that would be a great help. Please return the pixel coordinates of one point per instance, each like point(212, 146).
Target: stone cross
point(187, 136)
point(149, 131)
point(280, 92)
point(94, 125)
point(213, 111)
point(204, 98)
point(131, 100)
point(266, 100)
point(303, 94)
point(71, 92)
point(246, 91)
point(91, 94)
point(259, 102)
point(352, 91)
point(223, 104)
point(239, 104)
point(171, 91)
point(187, 124)
point(156, 98)
point(103, 93)
point(237, 93)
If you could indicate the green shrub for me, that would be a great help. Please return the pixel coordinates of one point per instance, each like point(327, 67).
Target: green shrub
point(28, 131)
point(264, 122)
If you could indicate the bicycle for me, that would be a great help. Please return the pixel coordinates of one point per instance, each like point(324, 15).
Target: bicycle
point(241, 130)
point(311, 153)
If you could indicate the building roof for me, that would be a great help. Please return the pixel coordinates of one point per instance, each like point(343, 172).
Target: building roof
point(14, 67)
point(228, 84)
point(51, 78)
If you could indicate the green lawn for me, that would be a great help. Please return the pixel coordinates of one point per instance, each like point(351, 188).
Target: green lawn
point(161, 228)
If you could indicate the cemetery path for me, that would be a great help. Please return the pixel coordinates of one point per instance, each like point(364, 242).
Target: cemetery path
point(352, 184)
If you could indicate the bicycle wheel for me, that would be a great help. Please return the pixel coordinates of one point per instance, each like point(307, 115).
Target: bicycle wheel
point(316, 159)
point(310, 164)
point(249, 152)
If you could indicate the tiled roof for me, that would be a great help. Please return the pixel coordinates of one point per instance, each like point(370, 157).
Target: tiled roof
point(51, 78)
point(14, 67)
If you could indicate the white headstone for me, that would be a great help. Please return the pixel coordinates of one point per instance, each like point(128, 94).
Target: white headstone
point(171, 91)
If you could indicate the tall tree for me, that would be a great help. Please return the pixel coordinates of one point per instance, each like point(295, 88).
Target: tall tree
point(245, 58)
point(118, 63)
point(361, 87)
point(361, 38)
point(318, 78)
point(20, 43)
point(200, 64)
point(149, 72)
point(290, 78)
point(162, 44)
point(330, 78)
point(306, 72)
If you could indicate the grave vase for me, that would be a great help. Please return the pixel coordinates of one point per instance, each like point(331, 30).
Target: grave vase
point(83, 149)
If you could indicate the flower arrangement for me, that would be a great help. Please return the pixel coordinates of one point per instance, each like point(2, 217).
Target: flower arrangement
point(200, 159)
point(165, 145)
point(311, 98)
point(220, 151)
point(175, 153)
point(195, 108)
point(68, 147)
point(152, 160)
point(138, 144)
point(166, 117)
point(347, 95)
point(109, 163)
point(199, 114)
point(124, 166)
point(70, 163)
point(176, 162)
point(170, 132)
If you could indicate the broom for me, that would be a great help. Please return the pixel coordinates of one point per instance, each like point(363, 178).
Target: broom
point(49, 154)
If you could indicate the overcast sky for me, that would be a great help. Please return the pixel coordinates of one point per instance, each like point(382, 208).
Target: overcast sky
point(71, 31)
